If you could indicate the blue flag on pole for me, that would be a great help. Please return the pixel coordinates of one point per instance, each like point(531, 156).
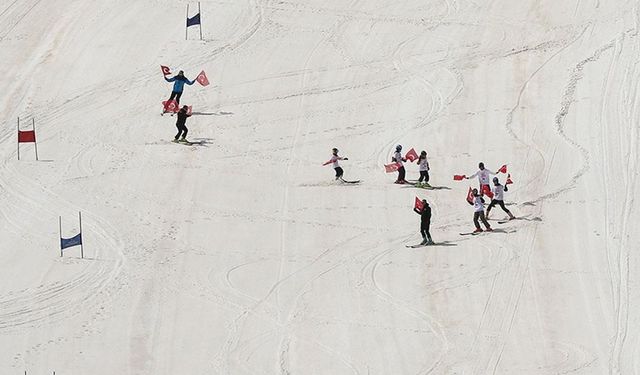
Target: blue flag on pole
point(69, 242)
point(195, 20)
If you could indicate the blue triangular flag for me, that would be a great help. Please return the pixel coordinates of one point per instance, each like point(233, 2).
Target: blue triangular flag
point(195, 20)
point(69, 242)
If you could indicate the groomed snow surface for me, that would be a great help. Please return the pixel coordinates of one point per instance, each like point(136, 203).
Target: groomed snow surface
point(241, 255)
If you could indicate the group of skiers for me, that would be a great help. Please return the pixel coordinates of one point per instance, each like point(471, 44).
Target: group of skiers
point(496, 194)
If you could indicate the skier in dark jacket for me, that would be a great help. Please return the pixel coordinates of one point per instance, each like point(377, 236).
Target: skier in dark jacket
point(180, 124)
point(425, 222)
point(178, 85)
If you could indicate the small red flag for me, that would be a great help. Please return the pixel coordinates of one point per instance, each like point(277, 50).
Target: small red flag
point(418, 204)
point(165, 70)
point(470, 196)
point(459, 177)
point(202, 79)
point(390, 168)
point(189, 112)
point(508, 180)
point(503, 169)
point(26, 136)
point(411, 155)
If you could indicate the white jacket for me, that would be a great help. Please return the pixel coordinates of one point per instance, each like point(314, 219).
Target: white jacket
point(484, 176)
point(478, 205)
point(424, 165)
point(498, 192)
point(398, 157)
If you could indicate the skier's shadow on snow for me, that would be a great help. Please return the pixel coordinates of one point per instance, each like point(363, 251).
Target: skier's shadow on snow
point(204, 142)
point(221, 113)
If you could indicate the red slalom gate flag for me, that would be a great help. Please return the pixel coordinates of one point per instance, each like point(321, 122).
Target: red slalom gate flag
point(390, 168)
point(418, 204)
point(470, 196)
point(503, 169)
point(411, 155)
point(508, 180)
point(165, 70)
point(458, 177)
point(202, 79)
point(26, 136)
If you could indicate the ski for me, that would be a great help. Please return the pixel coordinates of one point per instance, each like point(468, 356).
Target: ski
point(350, 182)
point(506, 221)
point(186, 143)
point(469, 233)
point(415, 246)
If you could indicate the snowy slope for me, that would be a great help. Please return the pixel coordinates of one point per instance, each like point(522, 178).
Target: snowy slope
point(239, 255)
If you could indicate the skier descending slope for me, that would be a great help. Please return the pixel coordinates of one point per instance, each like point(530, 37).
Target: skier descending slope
point(498, 198)
point(178, 85)
point(181, 125)
point(478, 208)
point(483, 177)
point(425, 222)
point(424, 170)
point(397, 158)
point(336, 166)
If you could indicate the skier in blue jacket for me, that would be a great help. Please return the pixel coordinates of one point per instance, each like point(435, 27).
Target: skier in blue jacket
point(178, 85)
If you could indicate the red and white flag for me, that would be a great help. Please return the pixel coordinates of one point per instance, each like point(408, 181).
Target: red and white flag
point(418, 204)
point(508, 180)
point(202, 79)
point(170, 106)
point(459, 177)
point(503, 169)
point(470, 196)
point(411, 155)
point(390, 168)
point(165, 70)
point(189, 112)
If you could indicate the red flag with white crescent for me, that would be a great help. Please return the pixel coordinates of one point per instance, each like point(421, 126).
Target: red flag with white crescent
point(165, 70)
point(503, 169)
point(202, 79)
point(418, 204)
point(411, 155)
point(470, 196)
point(390, 168)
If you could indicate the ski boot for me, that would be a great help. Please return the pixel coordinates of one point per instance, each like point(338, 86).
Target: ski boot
point(478, 230)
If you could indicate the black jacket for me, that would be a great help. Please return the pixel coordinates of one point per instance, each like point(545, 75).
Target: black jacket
point(182, 117)
point(425, 214)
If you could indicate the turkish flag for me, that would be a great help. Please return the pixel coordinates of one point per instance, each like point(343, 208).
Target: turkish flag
point(26, 136)
point(165, 70)
point(508, 180)
point(503, 169)
point(418, 204)
point(411, 155)
point(470, 196)
point(458, 177)
point(170, 106)
point(202, 79)
point(390, 168)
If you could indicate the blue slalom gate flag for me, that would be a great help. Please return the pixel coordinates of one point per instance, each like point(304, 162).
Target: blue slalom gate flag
point(70, 242)
point(195, 20)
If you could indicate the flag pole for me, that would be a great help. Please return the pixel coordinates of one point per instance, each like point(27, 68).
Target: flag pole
point(200, 13)
point(35, 140)
point(18, 137)
point(186, 24)
point(81, 241)
point(60, 222)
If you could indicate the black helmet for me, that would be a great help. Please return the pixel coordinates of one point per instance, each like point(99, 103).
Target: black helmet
point(335, 150)
point(481, 165)
point(495, 180)
point(423, 152)
point(398, 147)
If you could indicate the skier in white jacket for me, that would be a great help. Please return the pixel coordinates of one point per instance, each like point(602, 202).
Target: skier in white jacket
point(397, 158)
point(498, 198)
point(424, 169)
point(478, 212)
point(336, 166)
point(483, 178)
